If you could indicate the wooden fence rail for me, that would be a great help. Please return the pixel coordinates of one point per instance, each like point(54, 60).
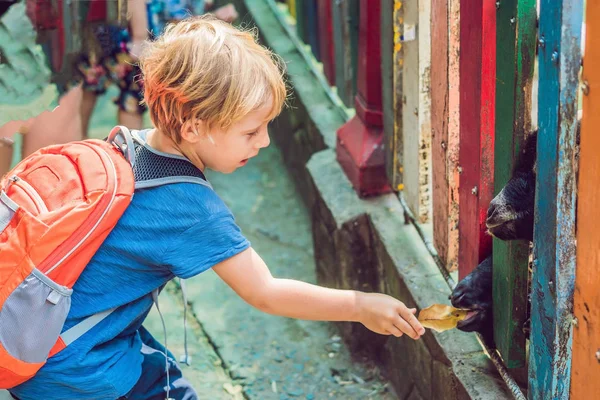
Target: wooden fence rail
point(585, 371)
point(515, 46)
point(445, 127)
point(554, 234)
point(477, 109)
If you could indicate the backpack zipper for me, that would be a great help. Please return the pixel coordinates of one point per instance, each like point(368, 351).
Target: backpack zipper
point(31, 192)
point(85, 230)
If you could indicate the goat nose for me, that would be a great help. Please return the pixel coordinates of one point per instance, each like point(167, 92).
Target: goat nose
point(456, 297)
point(500, 213)
point(492, 211)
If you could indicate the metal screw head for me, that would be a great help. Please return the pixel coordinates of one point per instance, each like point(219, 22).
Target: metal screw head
point(512, 21)
point(542, 42)
point(474, 191)
point(555, 57)
point(575, 321)
point(598, 355)
point(497, 5)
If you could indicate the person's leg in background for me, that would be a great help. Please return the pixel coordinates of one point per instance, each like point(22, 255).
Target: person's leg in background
point(59, 126)
point(6, 153)
point(29, 111)
point(226, 13)
point(99, 43)
point(116, 67)
point(131, 111)
point(88, 102)
point(126, 73)
point(131, 120)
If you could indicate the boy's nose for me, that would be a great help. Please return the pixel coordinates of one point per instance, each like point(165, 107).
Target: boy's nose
point(265, 142)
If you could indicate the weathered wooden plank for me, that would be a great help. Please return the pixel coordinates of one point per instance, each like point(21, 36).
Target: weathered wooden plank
point(585, 371)
point(391, 77)
point(445, 127)
point(416, 122)
point(353, 18)
point(425, 185)
point(312, 27)
point(439, 123)
point(453, 145)
point(326, 40)
point(410, 106)
point(478, 88)
point(488, 121)
point(471, 28)
point(515, 52)
point(345, 43)
point(553, 278)
point(301, 20)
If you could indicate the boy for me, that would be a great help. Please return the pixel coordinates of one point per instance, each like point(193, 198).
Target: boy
point(211, 90)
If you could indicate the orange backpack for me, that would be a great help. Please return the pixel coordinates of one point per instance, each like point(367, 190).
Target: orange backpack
point(56, 208)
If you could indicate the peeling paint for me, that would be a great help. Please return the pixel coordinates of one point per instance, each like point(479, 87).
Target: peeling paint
point(554, 233)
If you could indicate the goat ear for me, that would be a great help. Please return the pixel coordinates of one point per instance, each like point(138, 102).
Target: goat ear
point(528, 153)
point(531, 145)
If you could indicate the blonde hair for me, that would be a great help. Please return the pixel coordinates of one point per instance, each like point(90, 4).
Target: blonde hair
point(205, 69)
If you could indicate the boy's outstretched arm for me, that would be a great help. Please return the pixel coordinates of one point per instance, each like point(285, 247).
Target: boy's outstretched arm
point(248, 275)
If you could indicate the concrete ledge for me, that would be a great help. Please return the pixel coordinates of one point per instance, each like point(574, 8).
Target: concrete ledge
point(366, 245)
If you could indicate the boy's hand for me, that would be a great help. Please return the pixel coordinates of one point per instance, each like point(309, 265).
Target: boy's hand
point(387, 316)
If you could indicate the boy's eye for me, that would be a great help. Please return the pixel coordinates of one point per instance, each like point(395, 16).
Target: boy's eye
point(252, 134)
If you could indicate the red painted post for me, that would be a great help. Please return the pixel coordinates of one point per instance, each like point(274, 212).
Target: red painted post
point(360, 141)
point(326, 40)
point(477, 102)
point(488, 121)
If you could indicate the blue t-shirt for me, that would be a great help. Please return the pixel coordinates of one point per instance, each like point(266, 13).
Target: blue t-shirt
point(176, 230)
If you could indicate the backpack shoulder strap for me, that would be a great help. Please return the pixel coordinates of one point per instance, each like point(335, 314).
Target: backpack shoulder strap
point(153, 168)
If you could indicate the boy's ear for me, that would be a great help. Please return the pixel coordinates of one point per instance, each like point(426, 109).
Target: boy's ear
point(193, 131)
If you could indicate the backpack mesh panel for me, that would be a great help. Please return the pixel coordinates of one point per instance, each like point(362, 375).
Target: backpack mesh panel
point(149, 166)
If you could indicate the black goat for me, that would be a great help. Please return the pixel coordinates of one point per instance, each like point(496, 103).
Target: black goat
point(509, 217)
point(510, 213)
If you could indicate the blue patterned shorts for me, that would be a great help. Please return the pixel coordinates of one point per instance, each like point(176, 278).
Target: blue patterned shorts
point(105, 60)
